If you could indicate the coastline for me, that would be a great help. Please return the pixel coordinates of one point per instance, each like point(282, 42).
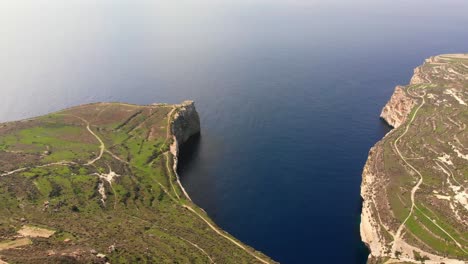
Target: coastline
point(378, 235)
point(180, 110)
point(185, 123)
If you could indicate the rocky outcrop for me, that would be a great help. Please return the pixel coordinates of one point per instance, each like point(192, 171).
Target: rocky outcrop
point(369, 227)
point(395, 113)
point(390, 178)
point(398, 108)
point(185, 123)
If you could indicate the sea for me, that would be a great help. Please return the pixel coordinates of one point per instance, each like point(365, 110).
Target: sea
point(289, 94)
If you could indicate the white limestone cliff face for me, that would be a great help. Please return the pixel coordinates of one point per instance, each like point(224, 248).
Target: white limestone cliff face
point(397, 108)
point(185, 123)
point(395, 113)
point(373, 225)
point(369, 227)
point(376, 228)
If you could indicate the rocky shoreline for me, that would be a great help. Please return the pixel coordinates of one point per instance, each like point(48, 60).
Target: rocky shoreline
point(377, 227)
point(394, 113)
point(397, 108)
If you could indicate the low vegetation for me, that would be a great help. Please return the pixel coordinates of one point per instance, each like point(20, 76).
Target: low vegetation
point(94, 184)
point(421, 193)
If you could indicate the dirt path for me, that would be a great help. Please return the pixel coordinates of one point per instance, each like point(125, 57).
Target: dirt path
point(221, 233)
point(168, 132)
point(181, 238)
point(178, 201)
point(397, 236)
point(214, 228)
point(169, 178)
point(102, 147)
point(116, 157)
point(173, 151)
point(199, 248)
point(443, 230)
point(64, 162)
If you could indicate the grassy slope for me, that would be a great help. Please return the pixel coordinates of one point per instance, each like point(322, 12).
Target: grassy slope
point(140, 214)
point(439, 124)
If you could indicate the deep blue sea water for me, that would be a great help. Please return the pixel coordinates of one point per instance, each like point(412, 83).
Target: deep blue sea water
point(289, 93)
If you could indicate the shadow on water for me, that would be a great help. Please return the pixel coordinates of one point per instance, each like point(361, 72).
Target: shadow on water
point(384, 127)
point(189, 154)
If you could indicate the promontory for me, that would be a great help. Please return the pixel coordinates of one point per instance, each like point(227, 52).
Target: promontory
point(415, 181)
point(97, 183)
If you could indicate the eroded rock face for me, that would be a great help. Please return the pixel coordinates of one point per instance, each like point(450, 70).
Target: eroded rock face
point(398, 108)
point(370, 233)
point(185, 122)
point(395, 179)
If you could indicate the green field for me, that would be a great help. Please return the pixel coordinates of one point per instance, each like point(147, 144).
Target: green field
point(119, 198)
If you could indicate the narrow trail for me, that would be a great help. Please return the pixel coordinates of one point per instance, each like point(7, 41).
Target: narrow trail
point(219, 232)
point(443, 230)
point(102, 147)
point(178, 200)
point(169, 175)
point(178, 236)
point(180, 184)
point(169, 115)
point(190, 208)
point(450, 171)
point(116, 157)
point(173, 151)
point(210, 225)
point(199, 248)
point(397, 236)
point(64, 162)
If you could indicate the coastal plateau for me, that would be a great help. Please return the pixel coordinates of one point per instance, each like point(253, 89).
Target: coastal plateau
point(415, 181)
point(98, 183)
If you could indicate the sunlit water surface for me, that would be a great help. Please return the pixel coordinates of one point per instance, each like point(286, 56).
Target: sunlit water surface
point(289, 94)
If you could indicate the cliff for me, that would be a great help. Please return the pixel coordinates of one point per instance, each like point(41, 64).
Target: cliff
point(184, 123)
point(98, 183)
point(413, 186)
point(398, 107)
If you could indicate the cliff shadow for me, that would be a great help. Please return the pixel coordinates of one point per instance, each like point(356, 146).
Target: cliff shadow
point(188, 154)
point(384, 127)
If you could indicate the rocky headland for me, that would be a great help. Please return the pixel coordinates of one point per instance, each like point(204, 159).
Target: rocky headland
point(398, 108)
point(414, 183)
point(98, 183)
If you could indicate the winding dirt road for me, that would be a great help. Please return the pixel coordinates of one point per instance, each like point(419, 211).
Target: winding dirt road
point(103, 149)
point(397, 236)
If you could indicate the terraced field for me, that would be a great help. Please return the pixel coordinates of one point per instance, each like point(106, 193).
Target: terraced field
point(96, 183)
point(415, 183)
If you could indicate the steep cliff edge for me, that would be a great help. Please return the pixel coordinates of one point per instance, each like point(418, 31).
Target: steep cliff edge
point(415, 181)
point(98, 183)
point(398, 107)
point(184, 123)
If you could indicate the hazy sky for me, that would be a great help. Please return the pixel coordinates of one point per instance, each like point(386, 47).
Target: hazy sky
point(63, 44)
